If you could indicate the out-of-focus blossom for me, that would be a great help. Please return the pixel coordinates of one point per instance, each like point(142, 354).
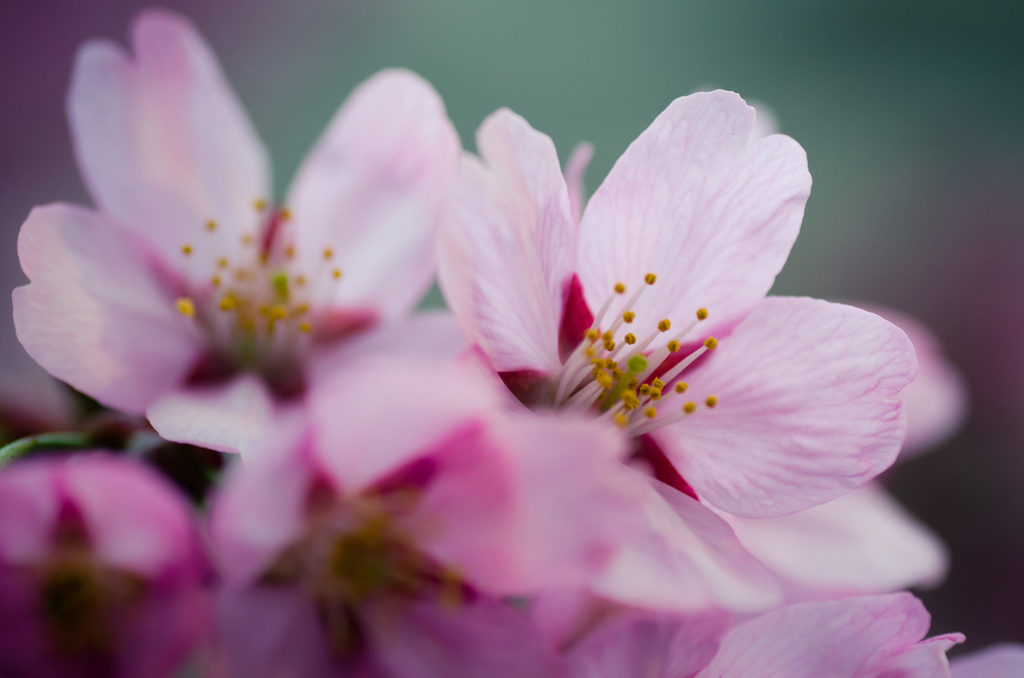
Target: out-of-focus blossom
point(998, 661)
point(101, 571)
point(187, 291)
point(795, 407)
point(383, 538)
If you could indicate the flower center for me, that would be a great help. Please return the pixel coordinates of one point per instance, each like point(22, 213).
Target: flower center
point(255, 310)
point(634, 382)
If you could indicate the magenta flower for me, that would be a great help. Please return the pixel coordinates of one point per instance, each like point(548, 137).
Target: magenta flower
point(101, 572)
point(672, 257)
point(383, 537)
point(998, 661)
point(187, 278)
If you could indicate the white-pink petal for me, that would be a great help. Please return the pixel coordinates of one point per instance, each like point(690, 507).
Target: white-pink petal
point(162, 141)
point(575, 168)
point(701, 204)
point(806, 410)
point(372, 190)
point(508, 245)
point(998, 661)
point(94, 314)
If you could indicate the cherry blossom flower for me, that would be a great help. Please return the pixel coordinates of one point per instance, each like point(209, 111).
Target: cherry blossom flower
point(385, 536)
point(101, 572)
point(998, 661)
point(187, 290)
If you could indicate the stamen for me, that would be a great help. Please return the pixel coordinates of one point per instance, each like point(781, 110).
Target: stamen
point(328, 253)
point(630, 338)
point(650, 413)
point(304, 326)
point(186, 250)
point(680, 387)
point(211, 225)
point(228, 302)
point(702, 313)
point(222, 262)
point(709, 344)
point(664, 325)
point(689, 407)
point(650, 278)
point(260, 204)
point(620, 288)
point(286, 213)
point(336, 274)
point(186, 306)
point(628, 317)
point(711, 401)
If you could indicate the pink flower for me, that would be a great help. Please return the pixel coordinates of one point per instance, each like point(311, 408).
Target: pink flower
point(672, 257)
point(997, 661)
point(187, 279)
point(101, 572)
point(382, 538)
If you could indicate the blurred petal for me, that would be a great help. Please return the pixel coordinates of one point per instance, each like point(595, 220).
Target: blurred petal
point(574, 171)
point(695, 200)
point(640, 645)
point(850, 638)
point(372, 190)
point(162, 141)
point(508, 246)
point(862, 543)
point(686, 559)
point(29, 505)
point(806, 408)
point(997, 661)
point(94, 314)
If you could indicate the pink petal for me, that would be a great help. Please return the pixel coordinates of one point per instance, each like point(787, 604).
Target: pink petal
point(806, 408)
point(372, 189)
point(29, 505)
point(936, 401)
point(574, 171)
point(162, 141)
point(687, 559)
point(850, 638)
point(239, 416)
point(94, 314)
point(508, 246)
point(997, 661)
point(862, 543)
point(480, 639)
point(641, 645)
point(699, 203)
point(550, 508)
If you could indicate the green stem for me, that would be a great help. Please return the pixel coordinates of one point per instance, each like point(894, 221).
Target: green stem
point(43, 441)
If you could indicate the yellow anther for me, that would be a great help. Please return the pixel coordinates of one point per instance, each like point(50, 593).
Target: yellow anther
point(711, 401)
point(211, 225)
point(300, 309)
point(228, 302)
point(607, 336)
point(710, 343)
point(300, 280)
point(650, 413)
point(597, 362)
point(604, 379)
point(609, 345)
point(628, 316)
point(702, 313)
point(689, 407)
point(630, 338)
point(278, 313)
point(645, 389)
point(630, 399)
point(610, 364)
point(186, 306)
point(673, 346)
point(246, 239)
point(222, 262)
point(328, 253)
point(592, 334)
point(264, 258)
point(681, 387)
point(655, 393)
point(590, 352)
point(336, 274)
point(215, 281)
point(305, 327)
point(650, 278)
point(289, 251)
point(186, 250)
point(616, 373)
point(633, 383)
point(658, 384)
point(286, 213)
point(621, 419)
point(664, 325)
point(260, 205)
point(620, 288)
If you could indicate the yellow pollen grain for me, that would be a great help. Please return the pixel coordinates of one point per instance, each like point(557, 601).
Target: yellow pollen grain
point(609, 345)
point(186, 250)
point(673, 346)
point(211, 225)
point(655, 394)
point(702, 313)
point(222, 262)
point(215, 281)
point(246, 239)
point(658, 384)
point(710, 343)
point(301, 308)
point(711, 401)
point(328, 253)
point(592, 335)
point(689, 407)
point(286, 213)
point(621, 419)
point(610, 364)
point(336, 274)
point(607, 336)
point(630, 338)
point(664, 325)
point(645, 390)
point(650, 413)
point(604, 379)
point(305, 327)
point(633, 383)
point(650, 278)
point(681, 387)
point(278, 313)
point(628, 316)
point(186, 306)
point(228, 302)
point(260, 205)
point(620, 288)
point(617, 373)
point(590, 352)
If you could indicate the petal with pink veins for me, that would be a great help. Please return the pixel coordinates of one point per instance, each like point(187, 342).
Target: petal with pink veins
point(508, 246)
point(94, 314)
point(686, 559)
point(806, 408)
point(870, 637)
point(701, 204)
point(861, 543)
point(162, 141)
point(372, 190)
point(997, 661)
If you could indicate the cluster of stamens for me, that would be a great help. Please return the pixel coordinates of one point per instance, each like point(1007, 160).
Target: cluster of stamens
point(614, 375)
point(256, 310)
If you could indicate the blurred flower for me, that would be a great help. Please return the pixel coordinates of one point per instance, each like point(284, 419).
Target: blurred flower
point(188, 292)
point(998, 661)
point(101, 572)
point(382, 538)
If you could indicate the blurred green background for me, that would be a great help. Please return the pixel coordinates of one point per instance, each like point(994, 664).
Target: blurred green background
point(910, 112)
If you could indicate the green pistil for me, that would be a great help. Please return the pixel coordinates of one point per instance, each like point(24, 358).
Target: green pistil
point(636, 365)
